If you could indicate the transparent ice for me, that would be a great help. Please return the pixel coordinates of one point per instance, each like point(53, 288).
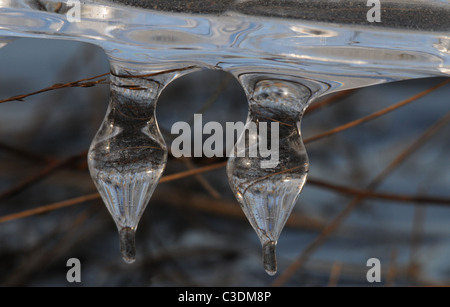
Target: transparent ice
point(268, 194)
point(5, 41)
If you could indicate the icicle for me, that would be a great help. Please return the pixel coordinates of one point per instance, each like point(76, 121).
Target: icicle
point(267, 186)
point(128, 155)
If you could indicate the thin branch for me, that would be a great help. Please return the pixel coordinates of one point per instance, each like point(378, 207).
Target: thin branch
point(360, 193)
point(25, 154)
point(49, 169)
point(50, 207)
point(335, 273)
point(202, 181)
point(366, 193)
point(79, 83)
point(228, 208)
point(192, 172)
point(328, 101)
point(374, 115)
point(393, 270)
point(82, 199)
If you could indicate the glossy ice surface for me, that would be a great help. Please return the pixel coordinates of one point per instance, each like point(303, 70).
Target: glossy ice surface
point(328, 41)
point(267, 193)
point(284, 53)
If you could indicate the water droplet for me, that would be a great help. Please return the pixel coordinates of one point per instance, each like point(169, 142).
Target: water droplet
point(267, 186)
point(128, 155)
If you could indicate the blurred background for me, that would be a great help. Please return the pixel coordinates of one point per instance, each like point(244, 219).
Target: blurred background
point(193, 232)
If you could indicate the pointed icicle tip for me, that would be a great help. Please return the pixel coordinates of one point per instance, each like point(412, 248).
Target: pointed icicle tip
point(127, 244)
point(270, 258)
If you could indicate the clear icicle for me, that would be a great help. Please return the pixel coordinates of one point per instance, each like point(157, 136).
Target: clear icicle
point(268, 194)
point(127, 244)
point(128, 155)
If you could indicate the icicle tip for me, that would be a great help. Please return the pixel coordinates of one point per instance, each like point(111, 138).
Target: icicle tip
point(269, 257)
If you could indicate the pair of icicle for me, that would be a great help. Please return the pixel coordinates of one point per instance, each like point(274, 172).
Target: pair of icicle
point(128, 155)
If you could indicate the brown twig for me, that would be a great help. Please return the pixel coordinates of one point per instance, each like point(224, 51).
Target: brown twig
point(214, 96)
point(335, 273)
point(374, 115)
point(25, 154)
point(82, 199)
point(328, 101)
point(222, 207)
point(202, 181)
point(50, 250)
point(392, 271)
point(50, 207)
point(192, 172)
point(366, 193)
point(340, 218)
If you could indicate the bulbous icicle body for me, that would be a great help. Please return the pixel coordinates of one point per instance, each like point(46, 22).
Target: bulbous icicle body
point(268, 183)
point(128, 155)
